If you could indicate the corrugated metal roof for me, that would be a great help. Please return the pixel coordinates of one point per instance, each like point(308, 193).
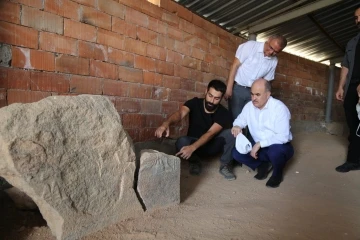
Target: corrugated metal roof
point(320, 35)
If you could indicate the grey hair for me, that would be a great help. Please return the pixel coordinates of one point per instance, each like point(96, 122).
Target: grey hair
point(280, 39)
point(267, 86)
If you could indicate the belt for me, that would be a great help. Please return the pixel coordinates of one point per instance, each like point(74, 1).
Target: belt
point(241, 85)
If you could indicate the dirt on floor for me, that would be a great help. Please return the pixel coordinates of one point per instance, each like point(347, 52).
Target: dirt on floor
point(313, 202)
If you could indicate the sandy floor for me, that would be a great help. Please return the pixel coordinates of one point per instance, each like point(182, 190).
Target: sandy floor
point(313, 202)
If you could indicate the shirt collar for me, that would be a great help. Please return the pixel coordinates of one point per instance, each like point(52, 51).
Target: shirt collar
point(261, 49)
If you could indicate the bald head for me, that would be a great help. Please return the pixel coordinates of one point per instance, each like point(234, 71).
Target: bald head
point(260, 92)
point(263, 84)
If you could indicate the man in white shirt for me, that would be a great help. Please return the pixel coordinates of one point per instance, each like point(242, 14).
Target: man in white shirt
point(253, 60)
point(268, 120)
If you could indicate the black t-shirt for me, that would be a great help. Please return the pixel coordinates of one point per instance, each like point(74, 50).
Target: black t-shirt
point(355, 76)
point(200, 121)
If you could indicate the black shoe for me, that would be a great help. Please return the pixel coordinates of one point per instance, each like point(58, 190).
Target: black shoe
point(195, 168)
point(274, 181)
point(263, 170)
point(347, 167)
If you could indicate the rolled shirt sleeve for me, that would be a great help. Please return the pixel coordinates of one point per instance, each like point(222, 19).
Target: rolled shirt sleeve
point(242, 118)
point(345, 61)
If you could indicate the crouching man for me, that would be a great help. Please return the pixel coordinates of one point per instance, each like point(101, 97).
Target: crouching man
point(268, 120)
point(209, 130)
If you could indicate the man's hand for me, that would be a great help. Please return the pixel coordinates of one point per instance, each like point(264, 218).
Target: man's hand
point(255, 149)
point(186, 152)
point(236, 130)
point(228, 94)
point(160, 130)
point(340, 94)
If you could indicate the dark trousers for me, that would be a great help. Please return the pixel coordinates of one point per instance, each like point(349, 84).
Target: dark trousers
point(221, 143)
point(277, 154)
point(240, 97)
point(352, 120)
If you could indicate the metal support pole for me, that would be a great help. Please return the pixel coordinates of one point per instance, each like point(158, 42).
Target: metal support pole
point(252, 36)
point(330, 93)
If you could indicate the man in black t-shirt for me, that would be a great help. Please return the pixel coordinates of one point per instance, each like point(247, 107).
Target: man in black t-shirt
point(348, 92)
point(209, 130)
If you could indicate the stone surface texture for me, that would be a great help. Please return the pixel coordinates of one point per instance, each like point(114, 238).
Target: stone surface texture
point(71, 155)
point(5, 55)
point(158, 179)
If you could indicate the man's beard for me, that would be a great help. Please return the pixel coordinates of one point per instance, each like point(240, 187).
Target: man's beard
point(210, 106)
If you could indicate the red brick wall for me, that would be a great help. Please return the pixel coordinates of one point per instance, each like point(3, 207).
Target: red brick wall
point(303, 86)
point(147, 59)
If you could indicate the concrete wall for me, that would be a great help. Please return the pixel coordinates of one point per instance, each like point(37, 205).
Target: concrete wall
point(147, 59)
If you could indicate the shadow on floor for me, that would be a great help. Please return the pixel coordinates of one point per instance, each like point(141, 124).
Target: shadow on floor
point(17, 224)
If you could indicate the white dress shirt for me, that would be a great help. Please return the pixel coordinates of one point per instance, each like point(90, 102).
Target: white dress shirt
point(270, 125)
point(254, 64)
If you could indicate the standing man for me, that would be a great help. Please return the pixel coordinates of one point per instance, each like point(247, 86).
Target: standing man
point(209, 130)
point(350, 78)
point(253, 60)
point(268, 120)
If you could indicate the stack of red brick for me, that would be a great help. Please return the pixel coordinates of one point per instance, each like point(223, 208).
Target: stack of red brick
point(147, 59)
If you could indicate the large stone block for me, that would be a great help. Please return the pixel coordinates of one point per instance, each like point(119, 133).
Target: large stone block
point(158, 179)
point(72, 156)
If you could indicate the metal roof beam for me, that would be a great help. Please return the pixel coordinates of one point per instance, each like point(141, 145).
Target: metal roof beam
point(334, 60)
point(206, 6)
point(322, 29)
point(291, 15)
point(255, 9)
point(234, 10)
point(240, 26)
point(192, 3)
